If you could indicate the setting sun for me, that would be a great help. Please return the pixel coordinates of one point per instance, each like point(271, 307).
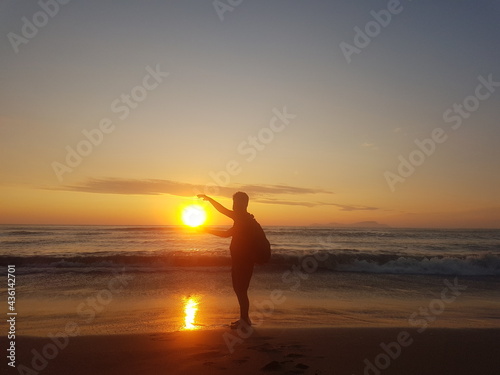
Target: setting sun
point(193, 215)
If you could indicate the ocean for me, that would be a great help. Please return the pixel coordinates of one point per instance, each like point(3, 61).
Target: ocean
point(126, 279)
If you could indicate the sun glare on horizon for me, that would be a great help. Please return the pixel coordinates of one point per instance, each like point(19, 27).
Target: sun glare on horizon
point(193, 215)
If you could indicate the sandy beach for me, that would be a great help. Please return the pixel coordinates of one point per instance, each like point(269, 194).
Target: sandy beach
point(266, 350)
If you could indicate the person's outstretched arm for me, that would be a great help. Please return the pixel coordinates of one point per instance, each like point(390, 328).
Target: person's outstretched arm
point(219, 233)
point(219, 207)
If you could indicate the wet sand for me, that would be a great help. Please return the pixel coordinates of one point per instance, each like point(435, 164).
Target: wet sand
point(266, 351)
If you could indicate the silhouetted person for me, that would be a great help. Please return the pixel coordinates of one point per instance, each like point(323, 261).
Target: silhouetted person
point(242, 259)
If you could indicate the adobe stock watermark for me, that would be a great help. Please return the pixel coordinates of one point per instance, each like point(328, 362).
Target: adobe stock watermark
point(455, 115)
point(264, 309)
point(122, 107)
point(86, 311)
point(32, 25)
point(223, 6)
point(425, 315)
point(249, 149)
point(364, 36)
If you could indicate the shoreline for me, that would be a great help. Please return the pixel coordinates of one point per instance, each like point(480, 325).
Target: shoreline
point(267, 350)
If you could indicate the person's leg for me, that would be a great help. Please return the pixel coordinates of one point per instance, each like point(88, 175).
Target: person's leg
point(241, 276)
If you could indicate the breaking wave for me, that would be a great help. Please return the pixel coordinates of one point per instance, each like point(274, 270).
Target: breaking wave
point(467, 265)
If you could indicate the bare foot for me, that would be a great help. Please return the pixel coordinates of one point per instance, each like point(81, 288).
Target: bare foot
point(236, 324)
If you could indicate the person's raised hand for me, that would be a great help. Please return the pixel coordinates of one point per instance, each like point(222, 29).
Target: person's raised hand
point(203, 196)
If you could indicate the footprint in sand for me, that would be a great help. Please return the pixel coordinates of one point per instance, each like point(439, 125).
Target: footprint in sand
point(239, 361)
point(294, 355)
point(207, 355)
point(302, 366)
point(272, 366)
point(264, 348)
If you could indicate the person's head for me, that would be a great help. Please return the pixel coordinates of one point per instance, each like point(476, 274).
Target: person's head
point(240, 201)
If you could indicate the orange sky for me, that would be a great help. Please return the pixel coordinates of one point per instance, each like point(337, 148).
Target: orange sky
point(120, 115)
point(49, 207)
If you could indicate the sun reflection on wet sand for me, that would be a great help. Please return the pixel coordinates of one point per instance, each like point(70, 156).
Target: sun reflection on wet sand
point(190, 309)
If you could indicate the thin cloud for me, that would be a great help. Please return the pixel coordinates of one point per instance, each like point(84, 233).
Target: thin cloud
point(286, 203)
point(280, 189)
point(343, 207)
point(259, 193)
point(370, 146)
point(346, 207)
point(183, 189)
point(131, 187)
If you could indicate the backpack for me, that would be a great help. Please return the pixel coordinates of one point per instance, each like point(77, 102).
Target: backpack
point(260, 244)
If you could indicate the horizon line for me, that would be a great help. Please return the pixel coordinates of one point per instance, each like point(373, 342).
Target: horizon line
point(383, 226)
